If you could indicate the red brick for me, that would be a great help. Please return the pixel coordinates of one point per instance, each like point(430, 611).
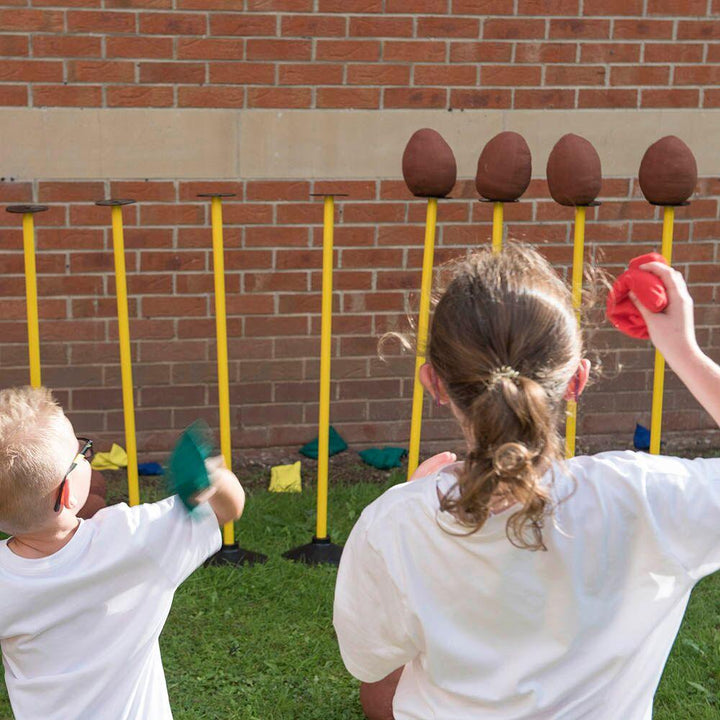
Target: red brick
point(678, 53)
point(281, 5)
point(379, 75)
point(512, 75)
point(347, 50)
point(350, 6)
point(579, 28)
point(384, 212)
point(673, 7)
point(611, 52)
point(356, 189)
point(313, 26)
point(482, 7)
point(310, 74)
point(221, 96)
point(173, 306)
point(275, 190)
point(69, 191)
point(31, 71)
point(32, 20)
point(136, 96)
point(640, 75)
point(479, 52)
point(175, 214)
point(69, 95)
point(612, 7)
point(545, 52)
point(100, 71)
point(287, 97)
point(209, 49)
point(513, 29)
point(279, 49)
point(379, 27)
point(276, 237)
point(15, 45)
point(242, 24)
point(550, 7)
point(173, 23)
point(575, 75)
point(467, 99)
point(55, 3)
point(670, 98)
point(544, 99)
point(711, 98)
point(100, 22)
point(15, 192)
point(642, 29)
point(451, 27)
point(140, 4)
point(138, 47)
point(241, 73)
point(276, 282)
point(417, 7)
point(414, 98)
point(445, 75)
point(608, 98)
point(172, 72)
point(698, 30)
point(164, 261)
point(700, 75)
point(413, 50)
point(248, 214)
point(368, 98)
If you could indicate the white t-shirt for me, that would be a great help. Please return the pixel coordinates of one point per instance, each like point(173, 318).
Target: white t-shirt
point(487, 630)
point(79, 629)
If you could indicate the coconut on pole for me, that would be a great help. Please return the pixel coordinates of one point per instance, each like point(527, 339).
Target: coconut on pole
point(503, 175)
point(667, 176)
point(430, 171)
point(574, 177)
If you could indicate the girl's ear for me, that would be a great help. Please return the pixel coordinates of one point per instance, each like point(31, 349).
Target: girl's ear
point(433, 384)
point(578, 381)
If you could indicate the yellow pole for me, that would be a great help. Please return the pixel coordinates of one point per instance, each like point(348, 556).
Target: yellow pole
point(497, 232)
point(125, 354)
point(422, 332)
point(325, 351)
point(222, 351)
point(32, 300)
point(577, 277)
point(659, 374)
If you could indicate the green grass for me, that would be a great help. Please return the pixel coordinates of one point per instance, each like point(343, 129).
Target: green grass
point(257, 643)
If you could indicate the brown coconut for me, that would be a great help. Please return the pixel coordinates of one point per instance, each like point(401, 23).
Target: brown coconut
point(668, 172)
point(428, 164)
point(504, 168)
point(574, 173)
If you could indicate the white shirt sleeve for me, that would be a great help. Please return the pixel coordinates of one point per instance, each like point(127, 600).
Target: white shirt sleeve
point(177, 541)
point(683, 498)
point(370, 616)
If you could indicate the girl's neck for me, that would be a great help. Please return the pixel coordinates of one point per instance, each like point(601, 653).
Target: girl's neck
point(44, 543)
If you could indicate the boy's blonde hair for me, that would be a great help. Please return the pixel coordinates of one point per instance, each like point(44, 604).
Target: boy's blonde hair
point(33, 454)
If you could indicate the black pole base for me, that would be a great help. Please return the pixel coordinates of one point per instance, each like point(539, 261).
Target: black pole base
point(235, 555)
point(319, 552)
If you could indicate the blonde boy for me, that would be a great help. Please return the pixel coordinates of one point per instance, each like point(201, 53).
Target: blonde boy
point(84, 601)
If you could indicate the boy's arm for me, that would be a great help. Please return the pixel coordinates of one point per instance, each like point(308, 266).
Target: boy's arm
point(377, 698)
point(225, 495)
point(673, 334)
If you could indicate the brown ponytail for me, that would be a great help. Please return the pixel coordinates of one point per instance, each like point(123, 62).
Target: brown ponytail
point(505, 342)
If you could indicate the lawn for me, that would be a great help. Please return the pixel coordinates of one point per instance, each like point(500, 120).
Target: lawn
point(257, 643)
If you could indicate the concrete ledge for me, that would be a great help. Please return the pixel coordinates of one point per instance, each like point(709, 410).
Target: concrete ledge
point(64, 143)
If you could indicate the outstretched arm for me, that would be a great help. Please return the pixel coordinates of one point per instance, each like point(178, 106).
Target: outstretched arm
point(225, 495)
point(672, 331)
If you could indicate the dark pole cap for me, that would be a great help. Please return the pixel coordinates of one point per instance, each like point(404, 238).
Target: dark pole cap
point(26, 208)
point(111, 202)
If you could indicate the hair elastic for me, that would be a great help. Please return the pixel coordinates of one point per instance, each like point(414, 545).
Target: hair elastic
point(502, 372)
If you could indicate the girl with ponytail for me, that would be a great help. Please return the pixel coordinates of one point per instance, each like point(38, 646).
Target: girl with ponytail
point(516, 585)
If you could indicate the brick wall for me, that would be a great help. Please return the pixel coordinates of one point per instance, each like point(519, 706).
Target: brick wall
point(361, 53)
point(317, 54)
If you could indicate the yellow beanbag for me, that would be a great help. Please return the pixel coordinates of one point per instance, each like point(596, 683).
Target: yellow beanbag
point(286, 478)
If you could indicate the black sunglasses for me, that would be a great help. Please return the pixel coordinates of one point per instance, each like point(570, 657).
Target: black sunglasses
point(85, 452)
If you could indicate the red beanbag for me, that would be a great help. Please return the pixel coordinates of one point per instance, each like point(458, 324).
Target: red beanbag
point(648, 289)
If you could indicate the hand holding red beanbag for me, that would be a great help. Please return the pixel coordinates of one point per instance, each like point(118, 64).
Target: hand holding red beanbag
point(648, 289)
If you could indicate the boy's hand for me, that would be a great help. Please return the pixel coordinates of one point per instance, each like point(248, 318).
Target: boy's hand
point(433, 464)
point(672, 331)
point(225, 495)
